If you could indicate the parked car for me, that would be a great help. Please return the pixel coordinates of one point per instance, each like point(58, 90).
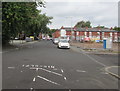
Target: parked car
point(55, 40)
point(16, 38)
point(28, 39)
point(44, 38)
point(51, 38)
point(32, 37)
point(86, 39)
point(63, 43)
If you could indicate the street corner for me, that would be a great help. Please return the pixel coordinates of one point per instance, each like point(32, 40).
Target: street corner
point(76, 49)
point(113, 70)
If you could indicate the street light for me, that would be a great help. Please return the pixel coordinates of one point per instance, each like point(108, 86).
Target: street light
point(71, 17)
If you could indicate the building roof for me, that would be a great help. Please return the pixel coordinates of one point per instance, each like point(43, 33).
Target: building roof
point(88, 29)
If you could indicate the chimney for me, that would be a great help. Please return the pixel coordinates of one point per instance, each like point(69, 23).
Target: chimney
point(111, 28)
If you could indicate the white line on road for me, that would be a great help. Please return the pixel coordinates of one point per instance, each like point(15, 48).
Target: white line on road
point(80, 71)
point(96, 60)
point(62, 70)
point(11, 67)
point(53, 67)
point(34, 79)
point(37, 69)
point(93, 59)
point(48, 71)
point(48, 80)
point(23, 65)
point(112, 73)
point(31, 89)
point(27, 65)
point(65, 78)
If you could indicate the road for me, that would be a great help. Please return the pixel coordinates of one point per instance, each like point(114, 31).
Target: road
point(41, 65)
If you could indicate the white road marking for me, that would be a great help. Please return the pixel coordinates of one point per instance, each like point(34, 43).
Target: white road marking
point(104, 73)
point(27, 65)
point(11, 67)
point(21, 71)
point(53, 67)
point(107, 70)
point(34, 79)
point(62, 70)
point(48, 71)
point(49, 66)
point(32, 65)
point(48, 80)
point(80, 71)
point(93, 59)
point(23, 65)
point(36, 65)
point(37, 69)
point(31, 89)
point(51, 72)
point(65, 78)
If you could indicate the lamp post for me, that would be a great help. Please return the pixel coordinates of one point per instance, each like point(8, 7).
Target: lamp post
point(71, 17)
point(71, 29)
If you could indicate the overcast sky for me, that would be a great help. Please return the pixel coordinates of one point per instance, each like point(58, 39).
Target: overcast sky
point(68, 13)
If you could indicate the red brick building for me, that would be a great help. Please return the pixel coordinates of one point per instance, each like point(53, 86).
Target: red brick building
point(92, 33)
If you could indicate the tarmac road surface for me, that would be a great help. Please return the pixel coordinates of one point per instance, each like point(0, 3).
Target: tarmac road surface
point(41, 65)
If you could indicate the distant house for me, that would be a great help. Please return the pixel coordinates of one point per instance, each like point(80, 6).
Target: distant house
point(92, 33)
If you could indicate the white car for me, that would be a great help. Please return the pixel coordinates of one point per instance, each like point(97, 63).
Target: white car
point(55, 40)
point(63, 43)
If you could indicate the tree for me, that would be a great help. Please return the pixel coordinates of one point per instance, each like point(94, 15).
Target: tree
point(116, 28)
point(22, 16)
point(83, 24)
point(51, 31)
point(100, 26)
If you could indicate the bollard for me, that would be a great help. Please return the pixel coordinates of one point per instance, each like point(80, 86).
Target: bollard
point(104, 43)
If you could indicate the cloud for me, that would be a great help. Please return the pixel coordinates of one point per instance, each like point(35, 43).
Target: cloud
point(82, 0)
point(103, 13)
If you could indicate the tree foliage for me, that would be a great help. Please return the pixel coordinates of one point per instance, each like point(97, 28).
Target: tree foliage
point(116, 28)
point(22, 16)
point(83, 24)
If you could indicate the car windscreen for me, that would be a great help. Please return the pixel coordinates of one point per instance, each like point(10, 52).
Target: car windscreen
point(64, 41)
point(56, 39)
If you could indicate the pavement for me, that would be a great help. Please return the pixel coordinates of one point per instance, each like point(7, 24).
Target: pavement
point(96, 48)
point(21, 42)
point(16, 45)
